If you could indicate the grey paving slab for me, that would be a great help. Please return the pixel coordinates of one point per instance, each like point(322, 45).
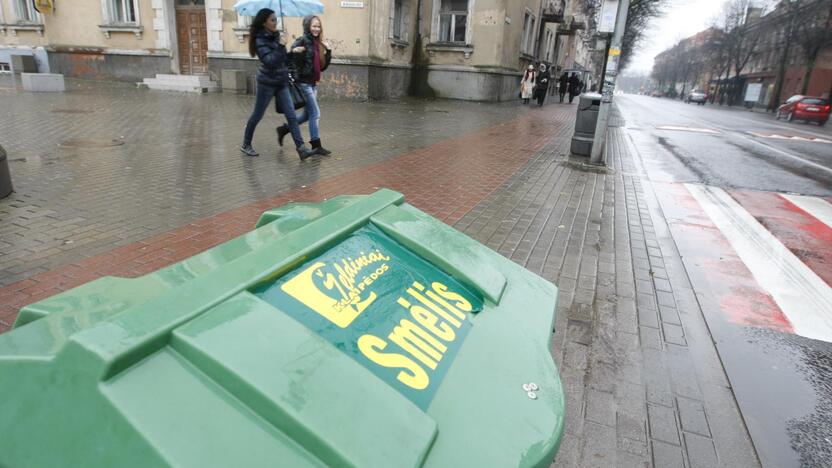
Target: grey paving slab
point(644, 385)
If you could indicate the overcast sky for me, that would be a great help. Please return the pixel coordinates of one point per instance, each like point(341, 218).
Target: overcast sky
point(682, 18)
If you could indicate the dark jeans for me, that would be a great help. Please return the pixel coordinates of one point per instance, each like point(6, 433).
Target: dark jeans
point(541, 96)
point(562, 94)
point(261, 103)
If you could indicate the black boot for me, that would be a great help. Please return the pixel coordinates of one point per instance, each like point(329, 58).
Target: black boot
point(316, 146)
point(304, 152)
point(282, 131)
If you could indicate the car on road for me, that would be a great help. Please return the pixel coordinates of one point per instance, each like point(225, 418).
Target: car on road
point(806, 108)
point(698, 96)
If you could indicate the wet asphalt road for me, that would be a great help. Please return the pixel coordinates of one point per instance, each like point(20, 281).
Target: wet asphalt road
point(730, 148)
point(782, 382)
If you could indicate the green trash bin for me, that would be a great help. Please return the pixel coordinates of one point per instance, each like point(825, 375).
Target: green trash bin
point(354, 332)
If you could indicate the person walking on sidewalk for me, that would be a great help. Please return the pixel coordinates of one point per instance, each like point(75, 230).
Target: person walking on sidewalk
point(542, 84)
point(527, 85)
point(574, 87)
point(311, 55)
point(269, 45)
point(563, 84)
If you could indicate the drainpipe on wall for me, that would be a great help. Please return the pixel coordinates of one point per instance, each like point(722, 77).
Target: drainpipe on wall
point(419, 72)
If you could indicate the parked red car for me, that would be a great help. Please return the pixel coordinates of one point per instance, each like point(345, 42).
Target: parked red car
point(806, 108)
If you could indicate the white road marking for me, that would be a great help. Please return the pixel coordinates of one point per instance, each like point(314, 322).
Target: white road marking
point(804, 298)
point(776, 136)
point(688, 129)
point(788, 155)
point(817, 207)
point(771, 123)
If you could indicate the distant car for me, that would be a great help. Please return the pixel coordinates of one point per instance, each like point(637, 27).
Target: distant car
point(806, 108)
point(698, 96)
point(656, 93)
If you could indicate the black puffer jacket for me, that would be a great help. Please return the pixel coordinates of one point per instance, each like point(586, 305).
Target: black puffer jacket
point(273, 58)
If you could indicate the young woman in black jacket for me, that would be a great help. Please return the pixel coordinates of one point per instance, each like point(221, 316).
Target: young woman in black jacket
point(269, 45)
point(311, 54)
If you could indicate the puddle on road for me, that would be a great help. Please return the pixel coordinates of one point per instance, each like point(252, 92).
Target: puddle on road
point(90, 143)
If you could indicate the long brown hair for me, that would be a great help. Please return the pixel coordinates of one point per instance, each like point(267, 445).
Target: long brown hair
point(307, 29)
point(257, 25)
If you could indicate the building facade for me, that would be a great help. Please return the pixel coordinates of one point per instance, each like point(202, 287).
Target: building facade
point(783, 35)
point(462, 49)
point(772, 29)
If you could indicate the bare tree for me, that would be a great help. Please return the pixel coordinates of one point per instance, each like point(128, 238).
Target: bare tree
point(790, 19)
point(715, 53)
point(740, 41)
point(638, 17)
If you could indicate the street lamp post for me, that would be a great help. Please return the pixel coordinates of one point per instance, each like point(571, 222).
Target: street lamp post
point(608, 85)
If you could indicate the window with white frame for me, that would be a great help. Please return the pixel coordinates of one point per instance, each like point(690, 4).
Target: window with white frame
point(550, 39)
point(453, 21)
point(26, 11)
point(527, 44)
point(122, 11)
point(398, 17)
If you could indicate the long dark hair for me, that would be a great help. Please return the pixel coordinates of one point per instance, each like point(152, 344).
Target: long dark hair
point(257, 25)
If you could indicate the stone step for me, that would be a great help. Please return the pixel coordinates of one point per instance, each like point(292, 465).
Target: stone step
point(181, 83)
point(164, 85)
point(196, 80)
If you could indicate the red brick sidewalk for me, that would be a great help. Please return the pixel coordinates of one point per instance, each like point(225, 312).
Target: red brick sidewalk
point(446, 180)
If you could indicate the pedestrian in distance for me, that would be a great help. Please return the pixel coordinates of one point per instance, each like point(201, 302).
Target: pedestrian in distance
point(269, 45)
point(563, 85)
point(527, 84)
point(542, 85)
point(311, 55)
point(575, 86)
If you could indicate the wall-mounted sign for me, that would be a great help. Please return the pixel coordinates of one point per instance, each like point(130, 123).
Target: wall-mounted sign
point(352, 4)
point(609, 12)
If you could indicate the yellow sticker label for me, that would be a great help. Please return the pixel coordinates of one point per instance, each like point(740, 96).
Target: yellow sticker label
point(316, 285)
point(614, 51)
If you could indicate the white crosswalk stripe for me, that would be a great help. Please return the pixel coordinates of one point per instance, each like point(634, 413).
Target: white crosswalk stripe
point(804, 298)
point(817, 207)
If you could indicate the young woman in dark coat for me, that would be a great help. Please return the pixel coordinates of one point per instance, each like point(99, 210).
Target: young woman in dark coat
point(563, 84)
point(575, 87)
point(542, 87)
point(269, 45)
point(311, 55)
